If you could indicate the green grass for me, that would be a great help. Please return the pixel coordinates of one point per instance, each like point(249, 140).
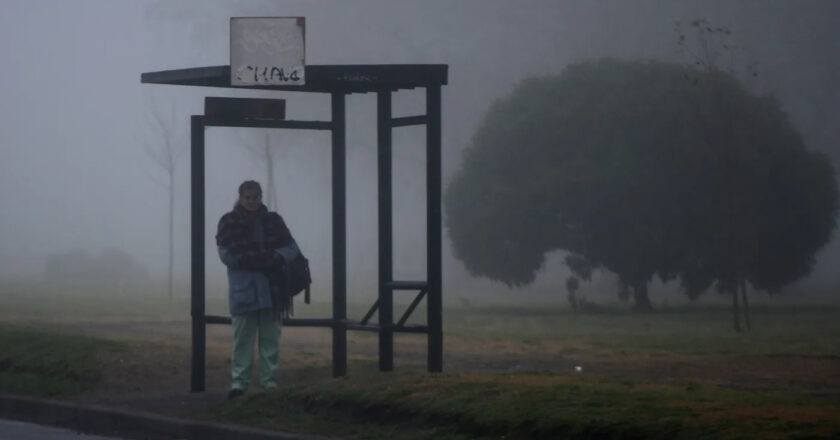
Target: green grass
point(41, 363)
point(529, 406)
point(417, 406)
point(45, 304)
point(797, 330)
point(412, 405)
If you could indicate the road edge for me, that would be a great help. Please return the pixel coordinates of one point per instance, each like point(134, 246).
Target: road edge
point(101, 420)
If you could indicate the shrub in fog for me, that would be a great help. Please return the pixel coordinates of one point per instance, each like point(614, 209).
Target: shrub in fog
point(112, 268)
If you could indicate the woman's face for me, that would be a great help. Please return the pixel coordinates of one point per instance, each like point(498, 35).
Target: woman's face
point(250, 199)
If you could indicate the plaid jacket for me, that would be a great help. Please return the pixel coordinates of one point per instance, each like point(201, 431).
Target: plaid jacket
point(254, 251)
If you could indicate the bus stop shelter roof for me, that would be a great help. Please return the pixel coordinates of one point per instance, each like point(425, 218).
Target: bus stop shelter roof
point(354, 78)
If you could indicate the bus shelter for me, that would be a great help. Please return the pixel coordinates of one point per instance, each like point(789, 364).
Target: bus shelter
point(338, 81)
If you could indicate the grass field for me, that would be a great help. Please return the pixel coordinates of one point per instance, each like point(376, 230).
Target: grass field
point(509, 369)
point(46, 363)
point(535, 406)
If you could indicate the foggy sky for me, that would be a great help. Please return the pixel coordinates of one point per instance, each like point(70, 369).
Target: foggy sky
point(74, 117)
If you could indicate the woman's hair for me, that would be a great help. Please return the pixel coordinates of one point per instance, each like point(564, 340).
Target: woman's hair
point(248, 185)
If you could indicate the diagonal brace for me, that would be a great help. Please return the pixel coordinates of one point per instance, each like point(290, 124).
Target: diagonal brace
point(370, 312)
point(411, 308)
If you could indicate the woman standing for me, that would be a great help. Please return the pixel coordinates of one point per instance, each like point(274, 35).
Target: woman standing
point(255, 245)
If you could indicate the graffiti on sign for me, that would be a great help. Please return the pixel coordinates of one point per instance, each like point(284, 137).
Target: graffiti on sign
point(269, 75)
point(267, 51)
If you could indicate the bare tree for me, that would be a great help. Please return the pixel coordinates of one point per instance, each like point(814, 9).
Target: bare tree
point(572, 285)
point(166, 154)
point(267, 155)
point(715, 50)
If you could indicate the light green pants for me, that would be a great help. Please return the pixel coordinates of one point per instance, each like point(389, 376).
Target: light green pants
point(263, 326)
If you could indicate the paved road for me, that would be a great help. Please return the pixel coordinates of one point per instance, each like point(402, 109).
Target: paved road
point(13, 430)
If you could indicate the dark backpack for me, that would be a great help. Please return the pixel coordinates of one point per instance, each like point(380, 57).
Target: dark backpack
point(298, 278)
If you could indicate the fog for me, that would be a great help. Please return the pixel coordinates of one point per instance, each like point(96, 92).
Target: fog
point(76, 125)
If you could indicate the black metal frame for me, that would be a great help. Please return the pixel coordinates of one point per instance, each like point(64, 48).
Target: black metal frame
point(338, 81)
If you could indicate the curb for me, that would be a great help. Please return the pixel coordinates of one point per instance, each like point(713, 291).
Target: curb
point(100, 420)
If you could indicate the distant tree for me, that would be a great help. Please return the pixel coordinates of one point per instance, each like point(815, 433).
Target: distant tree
point(69, 267)
point(571, 162)
point(770, 204)
point(771, 190)
point(572, 285)
point(266, 155)
point(120, 267)
point(643, 168)
point(165, 154)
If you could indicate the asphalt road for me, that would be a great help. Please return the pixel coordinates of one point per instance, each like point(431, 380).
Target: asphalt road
point(14, 430)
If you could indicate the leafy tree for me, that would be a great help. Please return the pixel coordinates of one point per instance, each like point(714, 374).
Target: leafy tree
point(645, 169)
point(557, 165)
point(774, 204)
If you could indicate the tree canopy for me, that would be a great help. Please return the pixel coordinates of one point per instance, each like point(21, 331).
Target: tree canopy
point(643, 168)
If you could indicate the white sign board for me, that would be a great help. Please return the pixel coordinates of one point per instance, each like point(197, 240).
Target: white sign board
point(267, 51)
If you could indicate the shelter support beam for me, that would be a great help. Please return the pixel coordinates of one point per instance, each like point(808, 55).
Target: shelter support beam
point(197, 237)
point(256, 123)
point(339, 233)
point(386, 248)
point(434, 234)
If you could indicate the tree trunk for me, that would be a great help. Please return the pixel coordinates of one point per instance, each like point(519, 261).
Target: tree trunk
point(271, 197)
point(735, 311)
point(640, 298)
point(573, 301)
point(171, 232)
point(746, 305)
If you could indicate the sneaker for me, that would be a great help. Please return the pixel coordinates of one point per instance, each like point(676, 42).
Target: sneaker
point(234, 393)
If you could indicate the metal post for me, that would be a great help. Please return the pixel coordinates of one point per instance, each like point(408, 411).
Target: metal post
point(339, 237)
point(433, 225)
point(197, 220)
point(386, 264)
